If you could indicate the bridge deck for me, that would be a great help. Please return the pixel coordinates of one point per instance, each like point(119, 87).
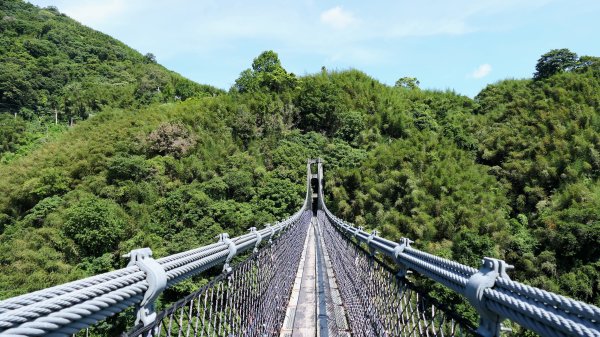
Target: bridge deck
point(314, 306)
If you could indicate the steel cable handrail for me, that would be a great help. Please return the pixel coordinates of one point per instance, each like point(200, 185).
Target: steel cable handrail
point(67, 308)
point(536, 309)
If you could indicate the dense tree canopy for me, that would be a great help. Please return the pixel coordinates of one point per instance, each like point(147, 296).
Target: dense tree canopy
point(49, 62)
point(266, 74)
point(408, 83)
point(554, 62)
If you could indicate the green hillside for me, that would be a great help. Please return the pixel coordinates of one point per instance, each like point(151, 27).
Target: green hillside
point(513, 173)
point(53, 69)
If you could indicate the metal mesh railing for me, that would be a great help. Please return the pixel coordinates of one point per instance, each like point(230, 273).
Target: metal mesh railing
point(379, 303)
point(250, 301)
point(337, 320)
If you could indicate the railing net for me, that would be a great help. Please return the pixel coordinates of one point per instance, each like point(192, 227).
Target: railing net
point(250, 301)
point(379, 303)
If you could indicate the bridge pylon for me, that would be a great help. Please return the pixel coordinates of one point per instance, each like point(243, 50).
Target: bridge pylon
point(315, 184)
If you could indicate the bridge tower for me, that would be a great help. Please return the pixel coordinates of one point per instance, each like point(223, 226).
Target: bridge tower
point(315, 185)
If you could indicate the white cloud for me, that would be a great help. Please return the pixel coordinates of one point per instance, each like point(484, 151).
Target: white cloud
point(337, 18)
point(481, 71)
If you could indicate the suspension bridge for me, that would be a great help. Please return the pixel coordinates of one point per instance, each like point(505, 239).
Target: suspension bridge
point(312, 274)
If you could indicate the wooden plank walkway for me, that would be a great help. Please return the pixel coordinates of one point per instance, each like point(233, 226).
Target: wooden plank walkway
point(307, 315)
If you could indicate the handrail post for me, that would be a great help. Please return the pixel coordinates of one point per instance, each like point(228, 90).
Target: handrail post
point(359, 228)
point(157, 282)
point(491, 269)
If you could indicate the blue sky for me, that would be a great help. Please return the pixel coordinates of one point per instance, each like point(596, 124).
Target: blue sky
point(454, 44)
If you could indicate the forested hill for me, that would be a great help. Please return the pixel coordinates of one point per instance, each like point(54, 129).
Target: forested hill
point(50, 63)
point(513, 173)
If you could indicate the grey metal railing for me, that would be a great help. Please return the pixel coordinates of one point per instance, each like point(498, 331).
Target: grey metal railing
point(489, 290)
point(68, 308)
point(71, 307)
point(249, 301)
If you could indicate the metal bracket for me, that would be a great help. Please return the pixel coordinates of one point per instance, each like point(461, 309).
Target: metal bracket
point(369, 239)
point(156, 276)
point(224, 237)
point(491, 269)
point(272, 232)
point(258, 238)
point(359, 228)
point(398, 250)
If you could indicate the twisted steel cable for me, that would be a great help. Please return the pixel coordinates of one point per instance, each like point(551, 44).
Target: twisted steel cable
point(541, 311)
point(69, 314)
point(441, 262)
point(27, 313)
point(531, 315)
point(448, 278)
point(42, 295)
point(566, 304)
point(549, 309)
point(67, 308)
point(251, 301)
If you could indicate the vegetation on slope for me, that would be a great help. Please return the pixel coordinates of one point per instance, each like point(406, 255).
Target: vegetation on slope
point(53, 69)
point(541, 139)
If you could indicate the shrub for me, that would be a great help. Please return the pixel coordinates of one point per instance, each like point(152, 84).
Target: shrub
point(96, 225)
point(127, 168)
